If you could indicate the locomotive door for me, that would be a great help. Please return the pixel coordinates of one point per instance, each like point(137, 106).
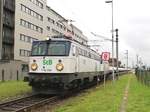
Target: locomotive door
point(77, 59)
point(75, 54)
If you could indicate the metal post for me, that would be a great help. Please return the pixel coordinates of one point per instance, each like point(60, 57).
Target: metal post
point(113, 75)
point(17, 75)
point(127, 58)
point(1, 26)
point(137, 56)
point(3, 75)
point(104, 80)
point(104, 76)
point(117, 58)
point(113, 44)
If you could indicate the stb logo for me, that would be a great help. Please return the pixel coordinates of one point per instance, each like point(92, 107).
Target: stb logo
point(105, 56)
point(47, 62)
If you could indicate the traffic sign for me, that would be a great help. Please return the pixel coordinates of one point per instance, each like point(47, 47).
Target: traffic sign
point(105, 56)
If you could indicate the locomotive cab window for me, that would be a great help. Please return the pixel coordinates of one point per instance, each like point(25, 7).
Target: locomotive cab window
point(50, 48)
point(39, 48)
point(59, 48)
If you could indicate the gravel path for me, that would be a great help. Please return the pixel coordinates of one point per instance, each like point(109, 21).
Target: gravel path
point(125, 97)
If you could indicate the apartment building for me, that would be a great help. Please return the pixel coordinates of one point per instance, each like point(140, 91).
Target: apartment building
point(35, 20)
point(56, 24)
point(23, 21)
point(29, 26)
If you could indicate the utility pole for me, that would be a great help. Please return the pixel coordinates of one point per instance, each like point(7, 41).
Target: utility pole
point(127, 58)
point(117, 58)
point(112, 20)
point(137, 59)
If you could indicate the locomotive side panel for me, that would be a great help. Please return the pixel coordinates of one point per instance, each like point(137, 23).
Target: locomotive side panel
point(88, 65)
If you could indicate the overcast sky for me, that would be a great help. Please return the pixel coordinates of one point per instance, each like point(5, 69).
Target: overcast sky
point(131, 17)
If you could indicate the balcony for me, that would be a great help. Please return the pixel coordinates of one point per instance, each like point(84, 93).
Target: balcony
point(6, 57)
point(3, 61)
point(8, 23)
point(8, 40)
point(9, 5)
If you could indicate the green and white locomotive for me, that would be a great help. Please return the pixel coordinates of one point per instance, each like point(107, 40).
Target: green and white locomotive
point(60, 64)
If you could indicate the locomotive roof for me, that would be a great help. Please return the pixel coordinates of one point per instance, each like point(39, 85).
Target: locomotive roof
point(66, 38)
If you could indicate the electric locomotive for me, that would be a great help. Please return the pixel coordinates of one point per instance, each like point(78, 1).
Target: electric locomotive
point(60, 64)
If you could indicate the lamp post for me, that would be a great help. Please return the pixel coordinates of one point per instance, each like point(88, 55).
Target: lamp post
point(127, 59)
point(117, 50)
point(111, 1)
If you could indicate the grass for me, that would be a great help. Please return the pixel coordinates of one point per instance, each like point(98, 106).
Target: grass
point(13, 88)
point(99, 99)
point(139, 97)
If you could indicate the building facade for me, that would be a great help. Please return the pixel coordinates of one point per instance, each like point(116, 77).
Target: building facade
point(35, 20)
point(7, 29)
point(22, 22)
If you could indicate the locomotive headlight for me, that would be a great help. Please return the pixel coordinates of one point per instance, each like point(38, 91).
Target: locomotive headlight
point(34, 66)
point(59, 66)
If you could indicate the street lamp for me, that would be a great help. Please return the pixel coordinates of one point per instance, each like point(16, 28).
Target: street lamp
point(127, 59)
point(111, 1)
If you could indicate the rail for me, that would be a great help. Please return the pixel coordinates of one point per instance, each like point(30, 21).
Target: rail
point(27, 103)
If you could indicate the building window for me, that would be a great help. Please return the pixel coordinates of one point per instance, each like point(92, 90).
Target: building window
point(48, 28)
point(56, 32)
point(22, 37)
point(59, 25)
point(24, 53)
point(29, 39)
point(31, 26)
point(51, 20)
point(26, 38)
point(25, 67)
point(38, 3)
point(31, 12)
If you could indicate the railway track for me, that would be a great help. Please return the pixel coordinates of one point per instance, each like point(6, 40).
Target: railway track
point(31, 102)
point(27, 103)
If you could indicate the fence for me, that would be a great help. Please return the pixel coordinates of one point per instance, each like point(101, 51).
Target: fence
point(143, 76)
point(5, 75)
point(12, 70)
